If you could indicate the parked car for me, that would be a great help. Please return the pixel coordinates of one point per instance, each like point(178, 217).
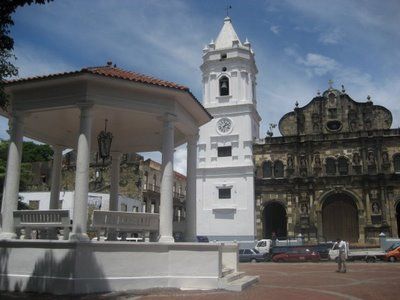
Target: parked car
point(393, 246)
point(393, 255)
point(296, 255)
point(202, 239)
point(252, 255)
point(284, 249)
point(322, 249)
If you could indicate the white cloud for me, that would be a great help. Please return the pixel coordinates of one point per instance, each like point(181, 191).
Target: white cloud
point(331, 37)
point(316, 63)
point(275, 29)
point(180, 159)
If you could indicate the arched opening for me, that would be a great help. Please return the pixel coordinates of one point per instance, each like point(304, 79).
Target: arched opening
point(398, 218)
point(224, 86)
point(340, 218)
point(275, 220)
point(343, 166)
point(267, 169)
point(278, 169)
point(330, 166)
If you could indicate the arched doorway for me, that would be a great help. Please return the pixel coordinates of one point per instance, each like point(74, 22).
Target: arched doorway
point(340, 218)
point(398, 218)
point(274, 220)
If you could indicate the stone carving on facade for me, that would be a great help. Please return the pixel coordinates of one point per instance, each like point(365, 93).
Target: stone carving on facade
point(356, 159)
point(317, 164)
point(385, 160)
point(352, 116)
point(371, 162)
point(290, 164)
point(304, 208)
point(301, 119)
point(376, 209)
point(316, 120)
point(303, 165)
point(317, 161)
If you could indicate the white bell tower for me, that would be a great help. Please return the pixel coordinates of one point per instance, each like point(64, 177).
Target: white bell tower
point(225, 170)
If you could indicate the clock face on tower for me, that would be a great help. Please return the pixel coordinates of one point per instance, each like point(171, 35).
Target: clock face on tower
point(224, 125)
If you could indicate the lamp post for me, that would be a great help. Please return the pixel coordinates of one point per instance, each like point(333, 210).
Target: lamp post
point(104, 140)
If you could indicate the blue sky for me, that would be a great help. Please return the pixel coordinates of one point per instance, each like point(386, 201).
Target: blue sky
point(299, 45)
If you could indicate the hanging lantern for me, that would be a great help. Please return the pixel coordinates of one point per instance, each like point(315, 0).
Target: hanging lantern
point(104, 140)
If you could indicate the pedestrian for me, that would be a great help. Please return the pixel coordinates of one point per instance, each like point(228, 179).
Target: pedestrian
point(342, 247)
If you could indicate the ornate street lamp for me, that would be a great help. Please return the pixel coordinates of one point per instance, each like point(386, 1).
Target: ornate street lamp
point(104, 140)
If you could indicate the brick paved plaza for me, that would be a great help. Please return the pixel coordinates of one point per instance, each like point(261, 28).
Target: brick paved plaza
point(286, 281)
point(310, 281)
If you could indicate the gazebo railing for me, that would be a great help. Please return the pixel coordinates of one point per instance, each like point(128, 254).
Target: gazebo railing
point(42, 219)
point(126, 221)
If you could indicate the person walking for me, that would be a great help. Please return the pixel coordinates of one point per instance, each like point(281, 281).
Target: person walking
point(342, 247)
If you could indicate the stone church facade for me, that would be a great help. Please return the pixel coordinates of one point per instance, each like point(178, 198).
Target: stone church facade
point(334, 172)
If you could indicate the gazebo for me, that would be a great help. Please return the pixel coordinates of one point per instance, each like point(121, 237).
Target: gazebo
point(69, 110)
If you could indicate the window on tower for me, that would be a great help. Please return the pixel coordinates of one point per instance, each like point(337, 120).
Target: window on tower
point(224, 151)
point(224, 86)
point(224, 193)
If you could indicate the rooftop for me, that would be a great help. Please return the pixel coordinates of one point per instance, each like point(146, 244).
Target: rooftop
point(109, 70)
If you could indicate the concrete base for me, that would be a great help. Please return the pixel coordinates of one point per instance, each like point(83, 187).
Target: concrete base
point(7, 235)
point(66, 267)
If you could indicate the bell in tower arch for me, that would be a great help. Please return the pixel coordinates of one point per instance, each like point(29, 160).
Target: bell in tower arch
point(224, 86)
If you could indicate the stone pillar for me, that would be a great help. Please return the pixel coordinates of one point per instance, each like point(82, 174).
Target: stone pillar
point(114, 189)
point(190, 233)
point(368, 208)
point(55, 186)
point(82, 176)
point(55, 177)
point(11, 188)
point(167, 179)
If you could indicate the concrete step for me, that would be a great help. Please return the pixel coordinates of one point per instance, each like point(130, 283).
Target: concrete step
point(240, 284)
point(233, 276)
point(226, 271)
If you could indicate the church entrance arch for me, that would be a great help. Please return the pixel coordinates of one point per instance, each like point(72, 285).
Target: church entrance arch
point(274, 220)
point(340, 218)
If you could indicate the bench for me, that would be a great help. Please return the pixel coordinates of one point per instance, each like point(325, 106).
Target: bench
point(119, 221)
point(42, 219)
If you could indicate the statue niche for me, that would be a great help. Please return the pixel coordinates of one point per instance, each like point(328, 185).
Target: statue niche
point(357, 163)
point(385, 161)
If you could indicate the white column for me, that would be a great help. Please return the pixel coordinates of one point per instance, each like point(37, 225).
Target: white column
point(55, 177)
point(114, 190)
point(11, 189)
point(190, 233)
point(82, 176)
point(167, 179)
point(115, 175)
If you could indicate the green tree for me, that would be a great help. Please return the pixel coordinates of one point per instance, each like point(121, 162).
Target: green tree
point(31, 152)
point(7, 69)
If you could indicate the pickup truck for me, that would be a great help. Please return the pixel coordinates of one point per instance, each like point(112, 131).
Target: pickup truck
point(369, 255)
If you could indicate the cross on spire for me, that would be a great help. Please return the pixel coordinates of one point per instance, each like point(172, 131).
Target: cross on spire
point(228, 7)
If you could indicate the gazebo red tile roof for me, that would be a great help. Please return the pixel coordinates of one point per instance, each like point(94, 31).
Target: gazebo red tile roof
point(109, 71)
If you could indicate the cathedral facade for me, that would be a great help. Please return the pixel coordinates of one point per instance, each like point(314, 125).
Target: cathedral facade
point(334, 172)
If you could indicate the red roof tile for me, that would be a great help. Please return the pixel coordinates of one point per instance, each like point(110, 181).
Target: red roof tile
point(110, 71)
